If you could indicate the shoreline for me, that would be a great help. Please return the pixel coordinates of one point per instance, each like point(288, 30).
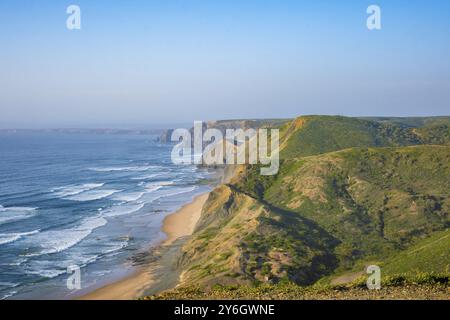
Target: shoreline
point(152, 276)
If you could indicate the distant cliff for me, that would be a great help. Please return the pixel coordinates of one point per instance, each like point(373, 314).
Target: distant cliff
point(165, 135)
point(223, 125)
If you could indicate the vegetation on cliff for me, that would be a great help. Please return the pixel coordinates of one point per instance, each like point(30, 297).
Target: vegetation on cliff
point(350, 192)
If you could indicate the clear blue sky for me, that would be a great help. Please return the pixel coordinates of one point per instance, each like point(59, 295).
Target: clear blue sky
point(167, 61)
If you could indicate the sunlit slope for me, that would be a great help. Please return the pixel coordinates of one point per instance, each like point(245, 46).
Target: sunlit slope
point(311, 135)
point(320, 215)
point(431, 255)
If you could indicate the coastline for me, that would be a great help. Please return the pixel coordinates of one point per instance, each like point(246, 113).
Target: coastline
point(153, 276)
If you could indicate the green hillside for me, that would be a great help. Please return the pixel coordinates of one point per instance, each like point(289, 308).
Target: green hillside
point(412, 122)
point(423, 287)
point(350, 192)
point(372, 202)
point(311, 135)
point(431, 255)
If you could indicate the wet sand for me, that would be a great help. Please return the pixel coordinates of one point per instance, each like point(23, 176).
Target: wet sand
point(158, 271)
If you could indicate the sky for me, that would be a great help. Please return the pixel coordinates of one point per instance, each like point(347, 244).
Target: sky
point(171, 61)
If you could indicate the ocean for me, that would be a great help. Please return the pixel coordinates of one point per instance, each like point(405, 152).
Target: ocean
point(87, 200)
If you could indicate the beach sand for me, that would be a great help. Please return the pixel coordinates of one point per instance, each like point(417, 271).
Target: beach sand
point(159, 274)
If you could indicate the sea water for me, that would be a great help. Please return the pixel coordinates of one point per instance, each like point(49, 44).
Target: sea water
point(89, 200)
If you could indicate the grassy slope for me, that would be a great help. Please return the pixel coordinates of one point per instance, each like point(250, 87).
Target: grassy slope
point(327, 212)
point(411, 122)
point(372, 202)
point(419, 288)
point(321, 134)
point(312, 135)
point(431, 255)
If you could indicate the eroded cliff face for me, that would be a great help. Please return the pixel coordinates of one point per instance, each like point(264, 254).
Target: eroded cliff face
point(213, 254)
point(321, 215)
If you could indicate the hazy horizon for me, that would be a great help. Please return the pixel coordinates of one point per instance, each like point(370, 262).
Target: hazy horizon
point(144, 63)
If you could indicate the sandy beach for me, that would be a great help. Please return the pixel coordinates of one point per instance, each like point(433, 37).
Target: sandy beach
point(177, 227)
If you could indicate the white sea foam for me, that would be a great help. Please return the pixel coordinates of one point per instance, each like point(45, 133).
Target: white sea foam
point(177, 191)
point(126, 168)
point(153, 188)
point(8, 284)
point(6, 296)
point(48, 269)
point(72, 190)
point(17, 262)
point(165, 183)
point(120, 210)
point(150, 186)
point(47, 273)
point(10, 214)
point(128, 196)
point(11, 237)
point(54, 241)
point(92, 195)
point(115, 247)
point(52, 269)
point(185, 190)
point(148, 176)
